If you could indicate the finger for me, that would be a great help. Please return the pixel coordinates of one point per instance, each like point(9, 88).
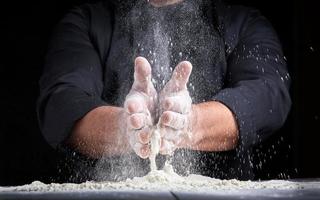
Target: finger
point(173, 120)
point(180, 76)
point(137, 121)
point(168, 133)
point(142, 75)
point(167, 147)
point(134, 104)
point(142, 150)
point(180, 104)
point(144, 135)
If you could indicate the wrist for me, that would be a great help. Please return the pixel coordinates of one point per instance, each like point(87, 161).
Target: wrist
point(214, 127)
point(191, 138)
point(194, 119)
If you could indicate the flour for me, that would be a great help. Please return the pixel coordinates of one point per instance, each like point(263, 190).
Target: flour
point(166, 180)
point(154, 148)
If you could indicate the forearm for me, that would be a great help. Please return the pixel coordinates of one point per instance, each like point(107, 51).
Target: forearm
point(214, 127)
point(99, 133)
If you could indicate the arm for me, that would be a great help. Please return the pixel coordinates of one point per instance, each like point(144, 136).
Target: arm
point(256, 100)
point(254, 103)
point(108, 130)
point(98, 133)
point(71, 85)
point(70, 107)
point(213, 132)
point(257, 91)
point(209, 126)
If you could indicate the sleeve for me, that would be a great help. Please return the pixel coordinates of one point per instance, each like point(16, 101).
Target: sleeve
point(72, 83)
point(257, 89)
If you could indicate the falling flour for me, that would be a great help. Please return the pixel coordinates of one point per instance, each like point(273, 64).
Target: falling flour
point(155, 148)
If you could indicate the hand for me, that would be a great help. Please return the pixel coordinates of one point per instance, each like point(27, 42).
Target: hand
point(140, 107)
point(176, 108)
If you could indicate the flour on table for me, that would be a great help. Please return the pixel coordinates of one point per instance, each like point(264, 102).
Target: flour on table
point(165, 180)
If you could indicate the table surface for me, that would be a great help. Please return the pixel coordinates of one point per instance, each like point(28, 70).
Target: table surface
point(304, 194)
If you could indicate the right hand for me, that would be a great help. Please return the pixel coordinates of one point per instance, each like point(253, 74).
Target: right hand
point(177, 115)
point(140, 108)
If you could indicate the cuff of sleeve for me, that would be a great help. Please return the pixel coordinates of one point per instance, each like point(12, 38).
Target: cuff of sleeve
point(241, 108)
point(63, 109)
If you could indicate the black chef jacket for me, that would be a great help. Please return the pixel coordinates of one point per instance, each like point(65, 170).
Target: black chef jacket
point(236, 56)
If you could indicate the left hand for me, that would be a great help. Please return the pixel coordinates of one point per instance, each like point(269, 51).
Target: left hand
point(176, 107)
point(139, 109)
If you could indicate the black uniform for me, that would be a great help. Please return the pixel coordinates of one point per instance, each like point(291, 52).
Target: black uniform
point(236, 56)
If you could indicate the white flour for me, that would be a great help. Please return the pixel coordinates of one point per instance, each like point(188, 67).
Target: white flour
point(155, 148)
point(165, 180)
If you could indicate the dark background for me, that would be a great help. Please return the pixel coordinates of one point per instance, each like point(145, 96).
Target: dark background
point(25, 31)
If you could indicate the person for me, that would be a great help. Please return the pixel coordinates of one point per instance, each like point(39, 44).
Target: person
point(227, 90)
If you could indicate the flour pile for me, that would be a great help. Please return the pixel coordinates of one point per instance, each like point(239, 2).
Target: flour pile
point(165, 180)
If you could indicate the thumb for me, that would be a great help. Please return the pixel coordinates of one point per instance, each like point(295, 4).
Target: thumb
point(142, 75)
point(180, 77)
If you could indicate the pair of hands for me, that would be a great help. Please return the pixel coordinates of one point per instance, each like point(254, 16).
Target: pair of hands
point(175, 106)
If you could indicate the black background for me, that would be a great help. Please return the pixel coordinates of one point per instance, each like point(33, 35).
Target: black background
point(25, 30)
